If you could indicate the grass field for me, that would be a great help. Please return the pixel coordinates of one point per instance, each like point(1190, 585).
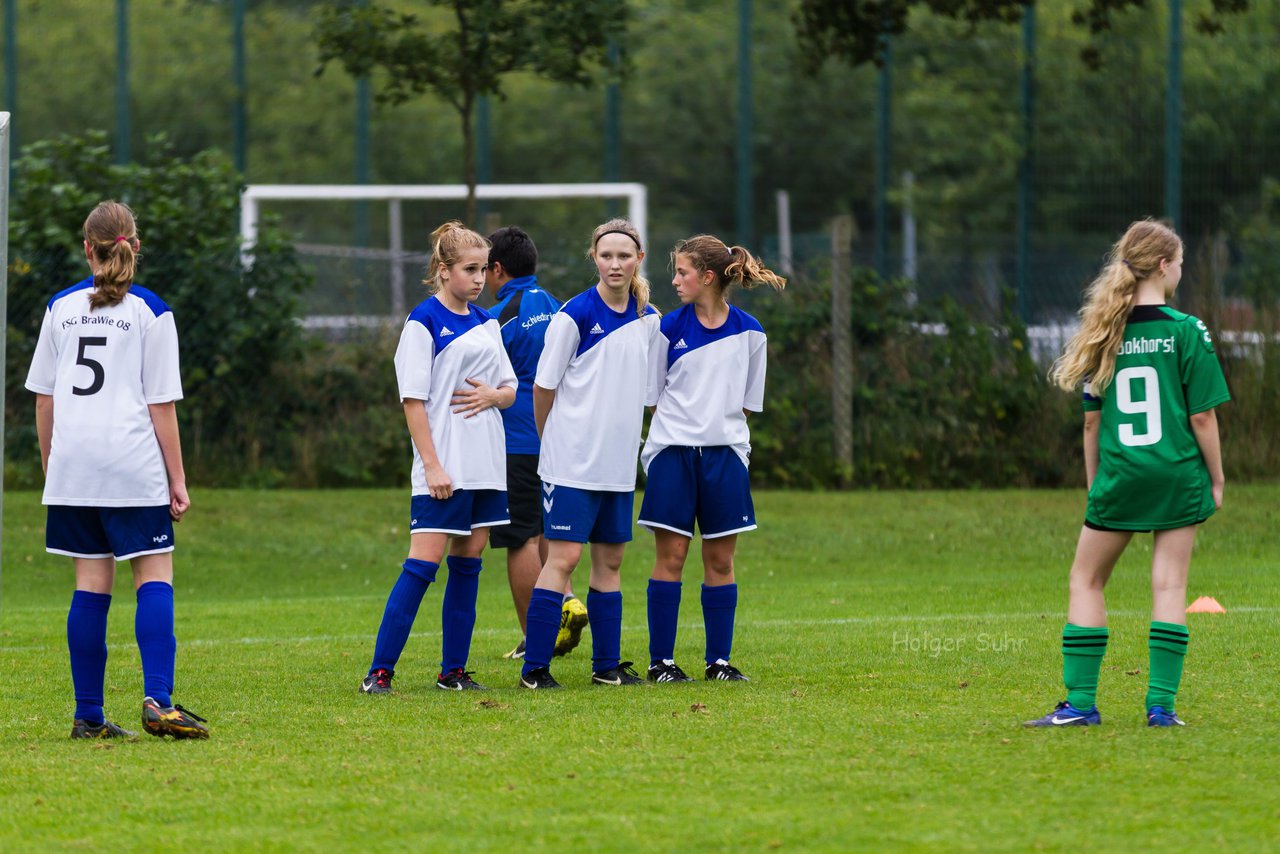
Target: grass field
point(894, 640)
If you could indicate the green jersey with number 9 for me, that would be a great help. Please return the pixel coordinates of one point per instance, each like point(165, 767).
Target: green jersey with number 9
point(1151, 475)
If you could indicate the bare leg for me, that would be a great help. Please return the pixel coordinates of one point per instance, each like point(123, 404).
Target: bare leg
point(1096, 556)
point(524, 565)
point(717, 560)
point(95, 574)
point(1169, 565)
point(672, 550)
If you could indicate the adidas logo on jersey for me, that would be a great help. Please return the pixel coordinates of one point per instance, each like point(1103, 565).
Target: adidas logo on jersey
point(596, 330)
point(680, 345)
point(444, 331)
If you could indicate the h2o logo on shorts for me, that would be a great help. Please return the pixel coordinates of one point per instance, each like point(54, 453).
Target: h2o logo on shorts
point(163, 538)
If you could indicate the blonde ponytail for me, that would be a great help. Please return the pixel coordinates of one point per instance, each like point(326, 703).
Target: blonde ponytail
point(732, 265)
point(112, 235)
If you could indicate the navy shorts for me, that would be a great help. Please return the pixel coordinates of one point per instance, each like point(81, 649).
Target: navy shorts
point(586, 515)
point(101, 532)
point(523, 488)
point(706, 485)
point(458, 514)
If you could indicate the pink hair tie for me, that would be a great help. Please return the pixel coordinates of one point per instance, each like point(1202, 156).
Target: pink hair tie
point(118, 239)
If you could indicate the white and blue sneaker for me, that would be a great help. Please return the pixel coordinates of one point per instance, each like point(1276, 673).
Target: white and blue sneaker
point(1064, 714)
point(1157, 716)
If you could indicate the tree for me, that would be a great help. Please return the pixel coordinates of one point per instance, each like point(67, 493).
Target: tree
point(560, 40)
point(854, 31)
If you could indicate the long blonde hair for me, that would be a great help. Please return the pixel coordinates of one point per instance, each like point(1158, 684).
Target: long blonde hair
point(112, 234)
point(639, 284)
point(731, 265)
point(448, 242)
point(1091, 352)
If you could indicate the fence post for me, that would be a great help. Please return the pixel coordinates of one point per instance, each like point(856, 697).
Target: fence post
point(842, 347)
point(5, 125)
point(396, 226)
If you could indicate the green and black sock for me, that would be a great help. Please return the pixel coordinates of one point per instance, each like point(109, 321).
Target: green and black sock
point(1082, 651)
point(1168, 645)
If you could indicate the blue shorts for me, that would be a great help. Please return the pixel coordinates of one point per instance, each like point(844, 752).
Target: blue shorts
point(458, 514)
point(709, 485)
point(586, 515)
point(101, 532)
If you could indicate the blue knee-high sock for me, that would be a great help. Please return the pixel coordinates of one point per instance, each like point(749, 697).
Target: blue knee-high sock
point(604, 615)
point(664, 612)
point(153, 627)
point(542, 623)
point(402, 608)
point(718, 607)
point(458, 613)
point(87, 642)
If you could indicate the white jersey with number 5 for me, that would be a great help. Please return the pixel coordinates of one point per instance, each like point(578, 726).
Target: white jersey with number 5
point(103, 367)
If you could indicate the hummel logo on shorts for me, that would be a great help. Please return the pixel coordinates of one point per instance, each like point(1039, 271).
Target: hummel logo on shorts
point(680, 345)
point(596, 330)
point(444, 330)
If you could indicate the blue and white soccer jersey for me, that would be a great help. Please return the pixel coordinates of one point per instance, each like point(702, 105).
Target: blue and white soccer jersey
point(698, 447)
point(103, 367)
point(439, 350)
point(597, 361)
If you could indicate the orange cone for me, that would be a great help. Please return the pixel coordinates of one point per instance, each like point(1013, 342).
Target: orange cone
point(1206, 605)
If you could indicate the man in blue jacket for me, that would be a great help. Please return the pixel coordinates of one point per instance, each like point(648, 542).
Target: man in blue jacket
point(523, 310)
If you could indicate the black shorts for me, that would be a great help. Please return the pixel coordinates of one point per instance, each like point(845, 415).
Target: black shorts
point(1094, 527)
point(524, 501)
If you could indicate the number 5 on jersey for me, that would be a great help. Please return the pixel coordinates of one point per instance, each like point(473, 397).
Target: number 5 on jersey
point(99, 376)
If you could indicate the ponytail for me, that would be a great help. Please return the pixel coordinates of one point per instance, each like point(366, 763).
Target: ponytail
point(448, 242)
point(731, 265)
point(112, 235)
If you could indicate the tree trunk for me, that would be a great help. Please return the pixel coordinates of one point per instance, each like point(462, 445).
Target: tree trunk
point(469, 161)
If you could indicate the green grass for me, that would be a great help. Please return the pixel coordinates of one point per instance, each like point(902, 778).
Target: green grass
point(894, 640)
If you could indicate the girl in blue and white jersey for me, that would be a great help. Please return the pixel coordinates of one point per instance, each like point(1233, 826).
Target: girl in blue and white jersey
point(588, 403)
point(454, 375)
point(710, 375)
point(105, 375)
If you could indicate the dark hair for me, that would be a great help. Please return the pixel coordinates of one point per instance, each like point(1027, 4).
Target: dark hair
point(513, 248)
point(112, 233)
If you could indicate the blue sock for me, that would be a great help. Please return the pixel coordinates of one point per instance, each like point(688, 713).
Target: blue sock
point(458, 614)
point(401, 610)
point(542, 624)
point(604, 614)
point(153, 627)
point(718, 607)
point(664, 612)
point(87, 642)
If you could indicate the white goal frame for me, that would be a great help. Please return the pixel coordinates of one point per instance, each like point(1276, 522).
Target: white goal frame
point(254, 195)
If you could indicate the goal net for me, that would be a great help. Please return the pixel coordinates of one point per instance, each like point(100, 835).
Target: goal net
point(367, 246)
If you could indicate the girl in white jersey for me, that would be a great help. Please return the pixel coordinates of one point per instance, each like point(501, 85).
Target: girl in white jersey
point(454, 376)
point(710, 375)
point(105, 375)
point(588, 404)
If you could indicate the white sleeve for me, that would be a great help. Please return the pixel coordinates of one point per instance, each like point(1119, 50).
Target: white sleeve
point(161, 377)
point(415, 356)
point(558, 350)
point(506, 373)
point(658, 348)
point(44, 361)
point(756, 363)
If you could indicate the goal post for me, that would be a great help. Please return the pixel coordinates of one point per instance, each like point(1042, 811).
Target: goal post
point(4, 300)
point(255, 195)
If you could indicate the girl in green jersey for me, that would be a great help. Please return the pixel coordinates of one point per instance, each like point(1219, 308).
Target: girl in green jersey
point(1152, 460)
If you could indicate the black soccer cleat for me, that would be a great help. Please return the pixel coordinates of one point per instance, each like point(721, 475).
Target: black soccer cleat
point(722, 671)
point(623, 674)
point(458, 680)
point(667, 670)
point(173, 721)
point(539, 678)
point(516, 654)
point(106, 729)
point(377, 682)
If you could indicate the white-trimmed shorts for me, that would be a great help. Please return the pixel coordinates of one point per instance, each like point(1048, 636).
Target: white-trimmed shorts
point(460, 513)
point(709, 486)
point(103, 532)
